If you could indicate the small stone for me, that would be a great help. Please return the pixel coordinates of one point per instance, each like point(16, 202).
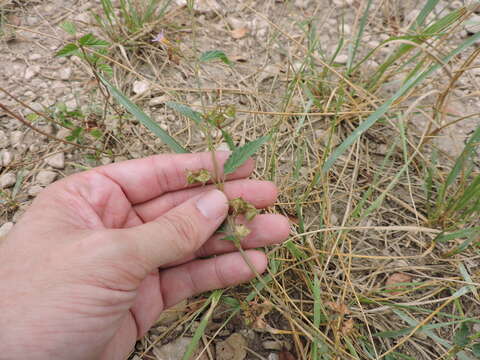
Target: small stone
point(16, 137)
point(273, 356)
point(8, 179)
point(31, 71)
point(63, 133)
point(223, 147)
point(5, 229)
point(65, 73)
point(6, 158)
point(233, 348)
point(34, 57)
point(302, 4)
point(56, 161)
point(34, 190)
point(105, 160)
point(341, 59)
point(4, 141)
point(473, 24)
point(71, 104)
point(159, 100)
point(140, 87)
point(272, 345)
point(202, 6)
point(46, 177)
point(175, 349)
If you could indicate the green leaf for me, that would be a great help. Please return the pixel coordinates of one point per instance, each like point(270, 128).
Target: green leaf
point(186, 111)
point(142, 117)
point(461, 336)
point(31, 117)
point(215, 55)
point(107, 69)
point(92, 41)
point(240, 155)
point(228, 139)
point(69, 27)
point(67, 50)
point(476, 350)
point(96, 133)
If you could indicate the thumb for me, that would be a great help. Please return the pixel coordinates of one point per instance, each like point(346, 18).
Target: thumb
point(179, 232)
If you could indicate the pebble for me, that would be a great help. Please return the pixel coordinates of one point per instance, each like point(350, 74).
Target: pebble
point(273, 356)
point(272, 345)
point(46, 177)
point(341, 59)
point(140, 87)
point(56, 161)
point(4, 142)
point(34, 190)
point(31, 71)
point(233, 348)
point(175, 349)
point(5, 228)
point(8, 179)
point(223, 147)
point(159, 100)
point(16, 137)
point(302, 4)
point(65, 73)
point(6, 158)
point(34, 57)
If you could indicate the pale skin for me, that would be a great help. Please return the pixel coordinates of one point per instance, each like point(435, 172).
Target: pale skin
point(99, 255)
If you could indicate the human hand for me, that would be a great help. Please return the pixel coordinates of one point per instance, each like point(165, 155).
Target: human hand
point(92, 263)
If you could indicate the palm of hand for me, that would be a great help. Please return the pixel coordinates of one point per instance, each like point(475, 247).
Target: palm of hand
point(90, 282)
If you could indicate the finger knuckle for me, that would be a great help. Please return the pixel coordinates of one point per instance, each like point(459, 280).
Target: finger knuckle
point(184, 231)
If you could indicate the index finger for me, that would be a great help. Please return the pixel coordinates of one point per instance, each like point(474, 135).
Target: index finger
point(145, 179)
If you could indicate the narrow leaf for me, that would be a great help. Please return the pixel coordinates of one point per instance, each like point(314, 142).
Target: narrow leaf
point(142, 117)
point(186, 111)
point(240, 155)
point(380, 112)
point(215, 55)
point(214, 299)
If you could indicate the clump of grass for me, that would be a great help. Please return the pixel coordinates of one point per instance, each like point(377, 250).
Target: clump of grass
point(367, 190)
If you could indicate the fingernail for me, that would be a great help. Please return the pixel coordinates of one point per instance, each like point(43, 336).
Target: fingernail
point(213, 204)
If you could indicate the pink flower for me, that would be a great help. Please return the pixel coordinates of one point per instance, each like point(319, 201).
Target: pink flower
point(159, 38)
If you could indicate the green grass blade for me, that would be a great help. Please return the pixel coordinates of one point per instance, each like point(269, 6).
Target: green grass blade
point(186, 111)
point(213, 300)
point(422, 16)
point(361, 28)
point(142, 117)
point(382, 110)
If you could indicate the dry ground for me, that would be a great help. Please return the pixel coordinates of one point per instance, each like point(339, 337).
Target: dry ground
point(329, 284)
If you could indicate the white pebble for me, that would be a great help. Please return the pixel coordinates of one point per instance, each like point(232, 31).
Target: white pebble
point(46, 177)
point(56, 161)
point(7, 180)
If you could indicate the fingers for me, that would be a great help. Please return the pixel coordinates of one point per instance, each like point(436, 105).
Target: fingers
point(198, 276)
point(148, 178)
point(176, 234)
point(266, 229)
point(260, 193)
